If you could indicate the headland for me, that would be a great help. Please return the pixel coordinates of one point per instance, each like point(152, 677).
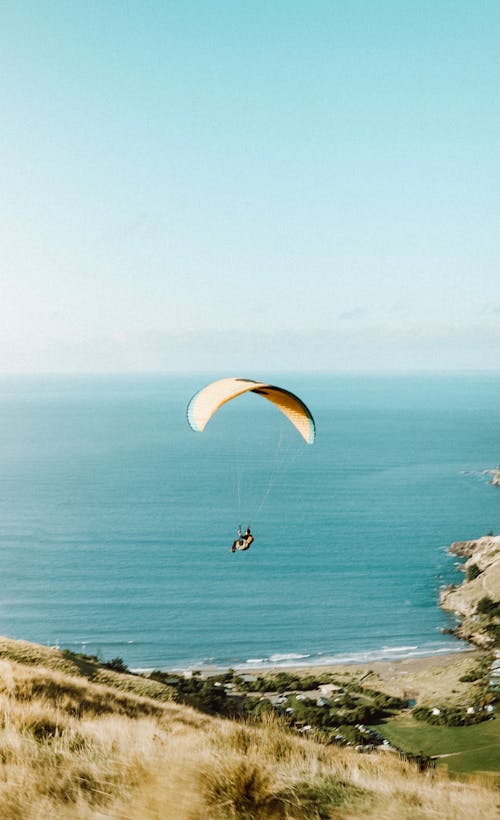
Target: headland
point(476, 601)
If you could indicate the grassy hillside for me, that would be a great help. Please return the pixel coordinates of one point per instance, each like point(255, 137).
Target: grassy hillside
point(77, 741)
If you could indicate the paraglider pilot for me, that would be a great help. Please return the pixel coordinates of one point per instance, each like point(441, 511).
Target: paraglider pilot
point(243, 541)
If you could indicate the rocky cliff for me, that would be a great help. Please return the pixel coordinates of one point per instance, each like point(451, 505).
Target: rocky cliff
point(477, 599)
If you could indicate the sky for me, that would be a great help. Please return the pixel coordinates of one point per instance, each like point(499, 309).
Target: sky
point(238, 187)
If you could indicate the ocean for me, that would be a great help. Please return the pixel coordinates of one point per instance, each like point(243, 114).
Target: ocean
point(116, 519)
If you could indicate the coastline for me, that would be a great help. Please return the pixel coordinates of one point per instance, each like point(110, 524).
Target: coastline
point(423, 678)
point(476, 600)
point(439, 673)
point(419, 677)
point(305, 663)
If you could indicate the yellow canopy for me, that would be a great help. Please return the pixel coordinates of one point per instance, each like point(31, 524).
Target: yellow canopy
point(204, 404)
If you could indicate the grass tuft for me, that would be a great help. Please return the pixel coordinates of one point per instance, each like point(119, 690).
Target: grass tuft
point(315, 800)
point(239, 789)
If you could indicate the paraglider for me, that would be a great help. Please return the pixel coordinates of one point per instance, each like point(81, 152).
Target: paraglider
point(204, 404)
point(211, 398)
point(244, 541)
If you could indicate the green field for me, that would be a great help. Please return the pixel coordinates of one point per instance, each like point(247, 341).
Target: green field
point(468, 749)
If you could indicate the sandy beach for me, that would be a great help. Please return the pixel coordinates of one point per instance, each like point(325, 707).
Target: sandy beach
point(423, 679)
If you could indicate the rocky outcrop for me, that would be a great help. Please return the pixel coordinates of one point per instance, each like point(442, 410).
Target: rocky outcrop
point(495, 477)
point(482, 568)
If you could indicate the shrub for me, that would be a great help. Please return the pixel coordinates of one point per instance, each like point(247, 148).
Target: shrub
point(487, 606)
point(285, 681)
point(493, 631)
point(74, 656)
point(423, 761)
point(117, 665)
point(449, 716)
point(472, 572)
point(202, 694)
point(383, 701)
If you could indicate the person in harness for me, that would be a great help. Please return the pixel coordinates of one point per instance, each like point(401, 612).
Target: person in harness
point(243, 541)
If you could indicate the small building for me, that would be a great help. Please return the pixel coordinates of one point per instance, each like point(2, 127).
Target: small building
point(313, 694)
point(275, 700)
point(329, 688)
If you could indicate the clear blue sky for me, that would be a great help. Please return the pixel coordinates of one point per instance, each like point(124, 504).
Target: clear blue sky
point(244, 186)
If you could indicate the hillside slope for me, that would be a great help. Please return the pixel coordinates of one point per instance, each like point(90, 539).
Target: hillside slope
point(72, 747)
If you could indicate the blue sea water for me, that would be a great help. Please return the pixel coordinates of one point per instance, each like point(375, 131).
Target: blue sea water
point(116, 518)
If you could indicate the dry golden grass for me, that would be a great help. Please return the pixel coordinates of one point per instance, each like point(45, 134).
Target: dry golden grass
point(33, 654)
point(71, 748)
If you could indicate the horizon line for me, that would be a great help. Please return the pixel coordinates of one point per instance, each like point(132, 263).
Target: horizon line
point(301, 372)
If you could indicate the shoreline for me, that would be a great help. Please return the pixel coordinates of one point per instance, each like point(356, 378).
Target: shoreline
point(393, 658)
point(423, 678)
point(403, 674)
point(319, 662)
point(296, 664)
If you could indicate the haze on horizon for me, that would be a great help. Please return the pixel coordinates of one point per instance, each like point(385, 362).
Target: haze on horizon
point(236, 187)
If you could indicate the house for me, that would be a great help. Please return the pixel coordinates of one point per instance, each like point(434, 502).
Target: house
point(327, 689)
point(275, 700)
point(313, 694)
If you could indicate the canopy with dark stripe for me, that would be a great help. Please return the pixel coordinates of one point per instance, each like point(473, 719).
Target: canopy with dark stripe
point(204, 404)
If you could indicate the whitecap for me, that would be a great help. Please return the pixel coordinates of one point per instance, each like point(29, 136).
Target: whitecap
point(290, 656)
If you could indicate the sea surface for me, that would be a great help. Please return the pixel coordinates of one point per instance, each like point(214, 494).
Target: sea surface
point(116, 519)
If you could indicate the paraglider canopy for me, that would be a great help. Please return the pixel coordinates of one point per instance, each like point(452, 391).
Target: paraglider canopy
point(204, 404)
